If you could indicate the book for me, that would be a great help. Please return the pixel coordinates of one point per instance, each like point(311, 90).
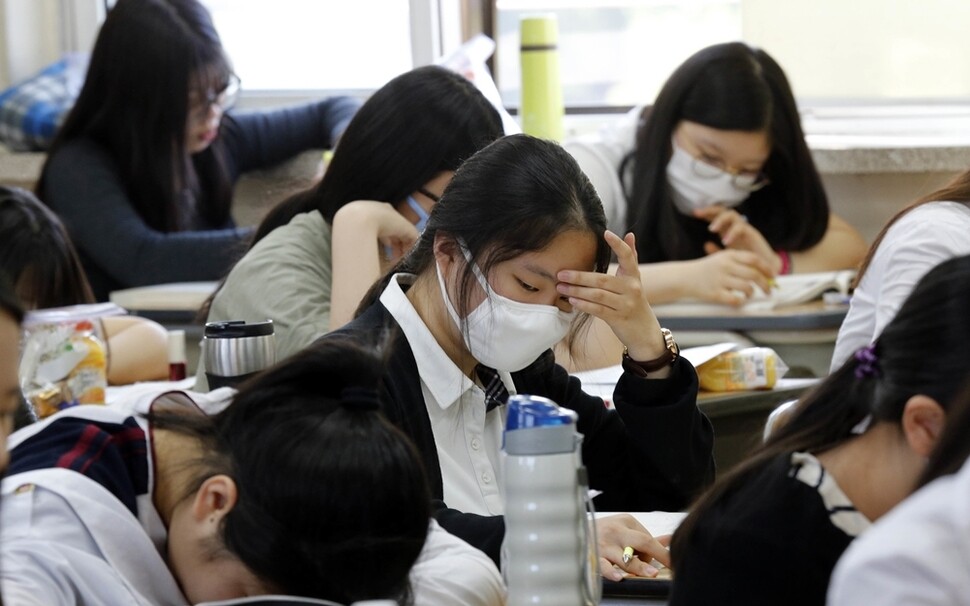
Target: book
point(177, 296)
point(791, 289)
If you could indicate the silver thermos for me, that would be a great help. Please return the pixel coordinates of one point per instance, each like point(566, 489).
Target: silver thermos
point(235, 350)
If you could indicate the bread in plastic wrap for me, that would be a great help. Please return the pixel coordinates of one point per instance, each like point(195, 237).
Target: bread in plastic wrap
point(749, 368)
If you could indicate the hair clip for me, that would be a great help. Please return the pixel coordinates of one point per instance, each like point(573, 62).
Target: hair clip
point(868, 366)
point(359, 397)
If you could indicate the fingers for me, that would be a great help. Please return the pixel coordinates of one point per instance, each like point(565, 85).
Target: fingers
point(725, 220)
point(594, 292)
point(625, 250)
point(618, 532)
point(745, 265)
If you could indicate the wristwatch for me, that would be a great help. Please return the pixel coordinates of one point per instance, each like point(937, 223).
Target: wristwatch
point(668, 357)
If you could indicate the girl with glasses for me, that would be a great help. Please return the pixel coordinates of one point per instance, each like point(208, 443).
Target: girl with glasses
point(143, 168)
point(717, 182)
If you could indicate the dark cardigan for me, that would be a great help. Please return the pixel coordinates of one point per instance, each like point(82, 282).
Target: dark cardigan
point(654, 452)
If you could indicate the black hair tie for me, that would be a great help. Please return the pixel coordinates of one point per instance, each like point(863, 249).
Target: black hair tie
point(359, 397)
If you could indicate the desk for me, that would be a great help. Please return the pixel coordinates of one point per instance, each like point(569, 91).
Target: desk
point(802, 335)
point(738, 417)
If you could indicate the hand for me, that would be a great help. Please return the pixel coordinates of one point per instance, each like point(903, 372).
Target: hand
point(614, 533)
point(737, 234)
point(728, 276)
point(380, 220)
point(618, 300)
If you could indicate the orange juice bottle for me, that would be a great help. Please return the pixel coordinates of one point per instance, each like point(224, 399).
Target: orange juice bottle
point(89, 379)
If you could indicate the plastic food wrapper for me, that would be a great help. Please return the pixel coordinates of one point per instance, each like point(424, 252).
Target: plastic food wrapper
point(64, 360)
point(748, 368)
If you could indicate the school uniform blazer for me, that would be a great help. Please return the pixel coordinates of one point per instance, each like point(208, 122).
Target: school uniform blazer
point(653, 452)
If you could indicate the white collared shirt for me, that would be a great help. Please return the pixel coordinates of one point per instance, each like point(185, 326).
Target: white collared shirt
point(468, 441)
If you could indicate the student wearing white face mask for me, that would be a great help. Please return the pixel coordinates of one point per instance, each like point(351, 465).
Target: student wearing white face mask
point(317, 252)
point(513, 256)
point(717, 182)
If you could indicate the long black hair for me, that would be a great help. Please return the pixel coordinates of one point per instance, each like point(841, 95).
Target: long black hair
point(514, 196)
point(421, 123)
point(728, 86)
point(9, 304)
point(921, 351)
point(37, 255)
point(325, 483)
point(148, 57)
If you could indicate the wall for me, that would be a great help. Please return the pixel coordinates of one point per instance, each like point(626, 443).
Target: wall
point(866, 48)
point(33, 34)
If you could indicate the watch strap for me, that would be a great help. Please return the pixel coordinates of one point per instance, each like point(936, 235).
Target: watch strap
point(668, 357)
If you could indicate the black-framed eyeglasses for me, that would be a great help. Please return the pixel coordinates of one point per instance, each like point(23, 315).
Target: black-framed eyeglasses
point(743, 180)
point(430, 195)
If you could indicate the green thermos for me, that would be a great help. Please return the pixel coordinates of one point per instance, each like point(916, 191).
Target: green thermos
point(542, 104)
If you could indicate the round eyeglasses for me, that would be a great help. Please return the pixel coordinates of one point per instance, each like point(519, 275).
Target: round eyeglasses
point(743, 180)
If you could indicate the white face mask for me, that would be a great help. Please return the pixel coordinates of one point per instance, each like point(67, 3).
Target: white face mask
point(506, 334)
point(693, 192)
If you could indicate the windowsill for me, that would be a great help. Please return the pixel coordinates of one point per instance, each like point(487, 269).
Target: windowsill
point(867, 140)
point(844, 141)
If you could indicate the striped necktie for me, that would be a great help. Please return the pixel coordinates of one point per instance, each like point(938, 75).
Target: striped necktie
point(495, 392)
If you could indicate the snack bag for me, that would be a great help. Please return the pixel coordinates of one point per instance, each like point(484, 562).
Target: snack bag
point(64, 361)
point(749, 368)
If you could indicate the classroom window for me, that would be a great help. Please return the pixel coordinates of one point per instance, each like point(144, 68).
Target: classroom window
point(619, 52)
point(616, 52)
point(305, 45)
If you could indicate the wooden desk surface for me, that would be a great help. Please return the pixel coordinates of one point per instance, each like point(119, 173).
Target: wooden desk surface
point(716, 404)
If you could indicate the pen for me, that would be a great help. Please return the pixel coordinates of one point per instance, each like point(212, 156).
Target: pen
point(627, 554)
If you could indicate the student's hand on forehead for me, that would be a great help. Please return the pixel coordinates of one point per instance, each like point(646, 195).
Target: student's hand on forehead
point(619, 300)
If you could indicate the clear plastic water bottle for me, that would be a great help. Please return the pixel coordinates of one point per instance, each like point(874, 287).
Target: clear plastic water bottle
point(547, 555)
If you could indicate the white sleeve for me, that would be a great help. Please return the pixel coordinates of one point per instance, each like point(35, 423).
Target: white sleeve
point(894, 578)
point(450, 571)
point(915, 555)
point(921, 242)
point(600, 161)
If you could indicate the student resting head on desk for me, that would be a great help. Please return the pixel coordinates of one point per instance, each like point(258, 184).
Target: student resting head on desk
point(513, 255)
point(720, 187)
point(316, 254)
point(771, 530)
point(11, 314)
point(143, 168)
point(37, 256)
point(300, 487)
point(918, 553)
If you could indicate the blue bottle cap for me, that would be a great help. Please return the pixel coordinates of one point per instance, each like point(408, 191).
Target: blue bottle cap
point(535, 411)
